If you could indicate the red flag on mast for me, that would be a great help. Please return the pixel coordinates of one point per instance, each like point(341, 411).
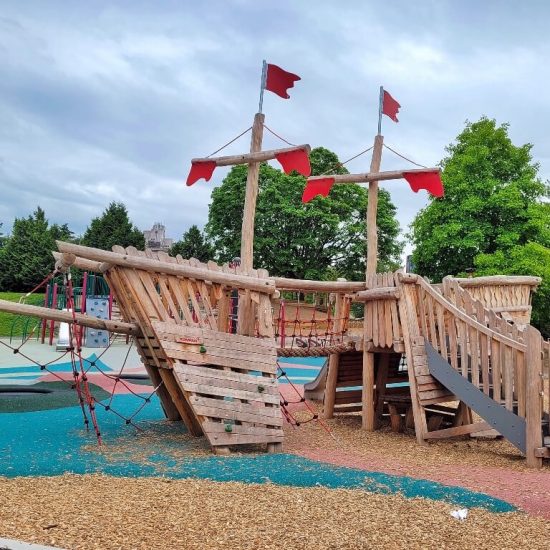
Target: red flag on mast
point(278, 80)
point(390, 107)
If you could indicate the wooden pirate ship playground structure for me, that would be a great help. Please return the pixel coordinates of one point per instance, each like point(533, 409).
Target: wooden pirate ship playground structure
point(448, 359)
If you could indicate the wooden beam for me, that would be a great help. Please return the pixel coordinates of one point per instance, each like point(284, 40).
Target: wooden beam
point(381, 293)
point(67, 317)
point(372, 176)
point(251, 194)
point(283, 283)
point(147, 264)
point(533, 404)
point(496, 280)
point(458, 430)
point(83, 263)
point(253, 156)
point(372, 207)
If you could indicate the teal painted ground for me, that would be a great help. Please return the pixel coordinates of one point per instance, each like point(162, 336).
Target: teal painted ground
point(53, 442)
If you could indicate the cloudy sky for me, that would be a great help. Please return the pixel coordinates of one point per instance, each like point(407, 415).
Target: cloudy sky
point(103, 101)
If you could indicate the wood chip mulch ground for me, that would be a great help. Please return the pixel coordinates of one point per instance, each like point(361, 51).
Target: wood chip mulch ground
point(99, 512)
point(492, 466)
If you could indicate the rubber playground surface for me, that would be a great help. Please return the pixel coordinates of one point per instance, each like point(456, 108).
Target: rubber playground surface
point(43, 434)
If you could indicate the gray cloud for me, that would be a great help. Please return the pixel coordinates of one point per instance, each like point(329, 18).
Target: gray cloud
point(109, 100)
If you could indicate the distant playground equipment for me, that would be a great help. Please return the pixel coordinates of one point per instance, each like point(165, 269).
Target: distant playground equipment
point(424, 356)
point(97, 302)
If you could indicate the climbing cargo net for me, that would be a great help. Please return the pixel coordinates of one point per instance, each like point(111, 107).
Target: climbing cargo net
point(310, 324)
point(83, 368)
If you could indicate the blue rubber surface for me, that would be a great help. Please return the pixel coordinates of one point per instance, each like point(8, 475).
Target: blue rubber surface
point(53, 442)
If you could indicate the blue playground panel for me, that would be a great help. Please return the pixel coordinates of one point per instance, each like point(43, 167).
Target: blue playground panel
point(54, 442)
point(298, 375)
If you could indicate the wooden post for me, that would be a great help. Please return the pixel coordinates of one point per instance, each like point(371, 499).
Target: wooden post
point(368, 392)
point(333, 362)
point(53, 306)
point(372, 207)
point(533, 410)
point(249, 213)
point(368, 412)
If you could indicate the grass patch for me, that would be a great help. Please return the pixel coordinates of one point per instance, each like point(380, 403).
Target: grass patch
point(23, 322)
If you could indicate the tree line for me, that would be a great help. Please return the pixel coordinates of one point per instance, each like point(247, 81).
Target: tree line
point(494, 218)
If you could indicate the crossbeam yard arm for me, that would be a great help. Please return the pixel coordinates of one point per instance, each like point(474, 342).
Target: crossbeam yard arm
point(367, 177)
point(247, 158)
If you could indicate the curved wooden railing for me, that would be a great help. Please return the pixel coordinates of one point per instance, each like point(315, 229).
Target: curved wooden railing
point(497, 357)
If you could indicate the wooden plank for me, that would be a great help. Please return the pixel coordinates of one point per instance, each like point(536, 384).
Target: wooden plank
point(269, 410)
point(241, 439)
point(387, 315)
point(473, 340)
point(207, 389)
point(508, 378)
point(442, 329)
point(483, 349)
point(206, 359)
point(459, 430)
point(253, 385)
point(224, 374)
point(430, 304)
point(167, 296)
point(434, 394)
point(181, 298)
point(267, 344)
point(227, 414)
point(220, 427)
point(217, 356)
point(394, 315)
point(411, 329)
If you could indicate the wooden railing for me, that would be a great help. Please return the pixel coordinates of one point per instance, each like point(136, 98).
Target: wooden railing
point(495, 356)
point(382, 323)
point(507, 295)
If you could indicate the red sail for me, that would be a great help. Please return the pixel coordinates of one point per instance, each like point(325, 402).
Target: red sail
point(278, 81)
point(200, 170)
point(390, 107)
point(431, 181)
point(295, 160)
point(320, 186)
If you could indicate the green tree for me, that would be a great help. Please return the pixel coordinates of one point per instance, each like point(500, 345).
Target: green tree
point(491, 202)
point(299, 240)
point(529, 259)
point(193, 244)
point(27, 258)
point(493, 217)
point(113, 227)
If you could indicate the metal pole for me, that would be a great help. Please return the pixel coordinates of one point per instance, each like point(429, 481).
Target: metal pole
point(380, 107)
point(262, 86)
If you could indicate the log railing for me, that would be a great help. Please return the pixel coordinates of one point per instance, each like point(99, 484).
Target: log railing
point(495, 356)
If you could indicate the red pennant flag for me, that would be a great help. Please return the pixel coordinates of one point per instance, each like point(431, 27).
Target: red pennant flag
point(431, 181)
point(278, 81)
point(390, 107)
point(295, 160)
point(318, 186)
point(200, 170)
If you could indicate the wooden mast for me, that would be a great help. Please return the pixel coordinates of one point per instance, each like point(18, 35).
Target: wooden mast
point(367, 404)
point(251, 195)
